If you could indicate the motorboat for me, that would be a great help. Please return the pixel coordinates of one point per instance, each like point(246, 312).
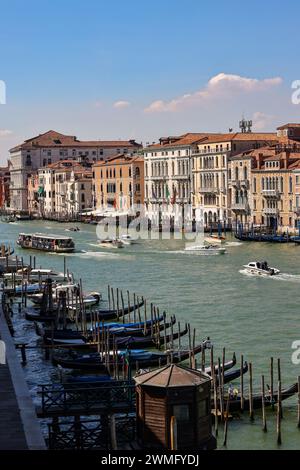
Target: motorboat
point(127, 239)
point(73, 229)
point(261, 269)
point(206, 249)
point(111, 243)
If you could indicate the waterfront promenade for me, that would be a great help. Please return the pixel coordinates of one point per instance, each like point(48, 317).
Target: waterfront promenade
point(19, 427)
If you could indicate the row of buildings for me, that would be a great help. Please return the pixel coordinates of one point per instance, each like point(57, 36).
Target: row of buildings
point(211, 177)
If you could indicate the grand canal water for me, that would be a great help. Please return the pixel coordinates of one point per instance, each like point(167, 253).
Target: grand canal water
point(258, 317)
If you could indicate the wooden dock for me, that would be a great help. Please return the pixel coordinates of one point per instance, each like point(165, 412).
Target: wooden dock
point(19, 427)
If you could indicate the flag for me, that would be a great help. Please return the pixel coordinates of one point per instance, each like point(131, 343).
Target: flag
point(115, 203)
point(167, 192)
point(174, 196)
point(154, 193)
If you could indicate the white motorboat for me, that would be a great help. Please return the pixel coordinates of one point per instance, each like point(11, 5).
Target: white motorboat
point(206, 249)
point(111, 243)
point(127, 239)
point(72, 290)
point(36, 275)
point(261, 269)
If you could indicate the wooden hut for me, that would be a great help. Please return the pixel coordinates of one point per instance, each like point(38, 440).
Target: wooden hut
point(174, 394)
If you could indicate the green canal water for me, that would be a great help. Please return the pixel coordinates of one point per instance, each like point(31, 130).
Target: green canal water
point(257, 317)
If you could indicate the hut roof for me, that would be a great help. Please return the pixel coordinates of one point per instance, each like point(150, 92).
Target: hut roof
point(172, 376)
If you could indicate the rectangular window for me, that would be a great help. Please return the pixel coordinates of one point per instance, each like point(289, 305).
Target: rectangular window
point(181, 412)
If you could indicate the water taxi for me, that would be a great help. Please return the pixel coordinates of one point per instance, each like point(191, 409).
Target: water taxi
point(111, 243)
point(206, 249)
point(261, 269)
point(43, 242)
point(128, 239)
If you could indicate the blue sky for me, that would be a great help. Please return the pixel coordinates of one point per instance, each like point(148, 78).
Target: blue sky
point(142, 69)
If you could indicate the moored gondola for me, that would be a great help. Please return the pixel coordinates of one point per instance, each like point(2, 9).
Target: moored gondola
point(120, 342)
point(235, 402)
point(103, 314)
point(142, 358)
point(136, 329)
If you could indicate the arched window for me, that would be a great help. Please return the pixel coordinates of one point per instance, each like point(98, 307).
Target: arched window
point(236, 173)
point(245, 173)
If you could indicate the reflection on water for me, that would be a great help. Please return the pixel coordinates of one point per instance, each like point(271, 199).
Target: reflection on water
point(250, 315)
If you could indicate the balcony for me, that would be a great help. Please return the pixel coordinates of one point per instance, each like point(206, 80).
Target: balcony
point(158, 177)
point(210, 190)
point(180, 177)
point(240, 207)
point(271, 211)
point(270, 193)
point(245, 184)
point(236, 184)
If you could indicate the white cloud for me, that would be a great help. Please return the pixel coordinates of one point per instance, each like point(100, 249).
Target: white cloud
point(221, 85)
point(262, 121)
point(121, 104)
point(5, 132)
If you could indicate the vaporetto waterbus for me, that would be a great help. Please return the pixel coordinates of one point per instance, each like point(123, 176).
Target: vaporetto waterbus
point(44, 242)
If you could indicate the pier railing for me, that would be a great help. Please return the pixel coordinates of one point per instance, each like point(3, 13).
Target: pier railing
point(68, 399)
point(91, 434)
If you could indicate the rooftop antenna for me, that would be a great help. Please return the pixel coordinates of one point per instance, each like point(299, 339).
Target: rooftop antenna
point(245, 126)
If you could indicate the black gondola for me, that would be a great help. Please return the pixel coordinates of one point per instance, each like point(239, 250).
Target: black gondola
point(103, 314)
point(235, 403)
point(144, 358)
point(121, 342)
point(117, 329)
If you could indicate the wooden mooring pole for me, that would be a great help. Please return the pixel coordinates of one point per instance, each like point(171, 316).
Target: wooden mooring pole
point(242, 383)
point(264, 419)
point(251, 413)
point(278, 424)
point(298, 402)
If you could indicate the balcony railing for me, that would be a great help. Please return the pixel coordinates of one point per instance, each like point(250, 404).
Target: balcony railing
point(210, 151)
point(271, 211)
point(240, 207)
point(180, 177)
point(209, 190)
point(158, 177)
point(272, 193)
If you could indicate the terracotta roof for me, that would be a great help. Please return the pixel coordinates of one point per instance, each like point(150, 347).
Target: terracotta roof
point(172, 376)
point(125, 157)
point(63, 164)
point(185, 139)
point(56, 139)
point(240, 136)
point(295, 164)
point(289, 125)
point(273, 158)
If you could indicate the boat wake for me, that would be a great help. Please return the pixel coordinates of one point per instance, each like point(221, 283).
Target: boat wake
point(99, 254)
point(233, 244)
point(280, 277)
